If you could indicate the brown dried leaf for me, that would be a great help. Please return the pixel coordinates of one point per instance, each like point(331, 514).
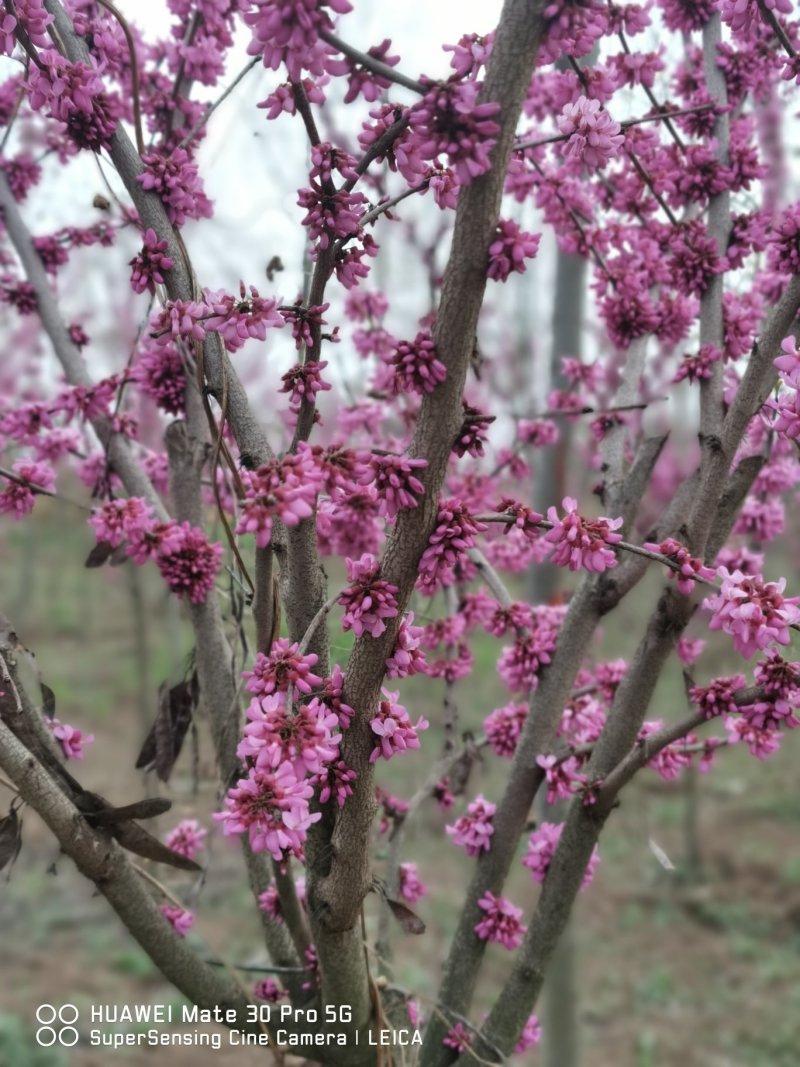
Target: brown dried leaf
point(163, 744)
point(409, 920)
point(135, 839)
point(10, 837)
point(99, 554)
point(148, 808)
point(48, 700)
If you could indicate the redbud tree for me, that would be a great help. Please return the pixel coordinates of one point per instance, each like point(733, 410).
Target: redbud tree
point(644, 138)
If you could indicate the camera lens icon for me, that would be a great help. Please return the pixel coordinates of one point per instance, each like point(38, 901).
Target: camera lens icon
point(64, 1034)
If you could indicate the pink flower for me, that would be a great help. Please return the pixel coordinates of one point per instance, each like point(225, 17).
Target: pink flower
point(74, 94)
point(331, 697)
point(272, 808)
point(303, 381)
point(393, 728)
point(360, 80)
point(752, 611)
point(18, 499)
point(503, 728)
point(531, 1035)
point(509, 250)
point(180, 320)
point(336, 781)
point(288, 32)
point(541, 849)
point(276, 735)
point(458, 1037)
point(188, 561)
point(70, 739)
point(671, 760)
point(394, 481)
point(270, 900)
point(284, 487)
point(330, 213)
point(452, 536)
point(121, 520)
point(416, 366)
point(269, 990)
point(698, 366)
point(149, 264)
point(470, 54)
point(582, 542)
point(594, 137)
point(448, 120)
point(474, 830)
point(282, 669)
point(369, 600)
point(159, 373)
point(187, 838)
point(176, 180)
point(411, 888)
point(717, 698)
point(501, 923)
point(688, 650)
point(762, 743)
point(562, 777)
point(520, 663)
point(689, 565)
point(407, 658)
point(181, 919)
point(743, 15)
point(789, 363)
point(239, 320)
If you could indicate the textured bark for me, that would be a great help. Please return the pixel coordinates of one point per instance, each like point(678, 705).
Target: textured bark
point(338, 847)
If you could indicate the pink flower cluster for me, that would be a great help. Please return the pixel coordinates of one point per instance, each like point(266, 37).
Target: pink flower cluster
point(303, 381)
point(501, 922)
point(503, 727)
point(411, 888)
point(70, 739)
point(369, 600)
point(272, 808)
point(179, 918)
point(176, 180)
point(453, 534)
point(718, 697)
point(284, 488)
point(449, 121)
point(407, 658)
point(593, 136)
point(509, 250)
point(394, 481)
point(74, 94)
point(582, 542)
point(542, 846)
point(681, 557)
point(18, 497)
point(417, 368)
point(474, 830)
point(237, 321)
point(187, 838)
point(754, 612)
point(159, 373)
point(282, 669)
point(393, 728)
point(288, 32)
point(187, 560)
point(150, 264)
point(278, 735)
point(788, 412)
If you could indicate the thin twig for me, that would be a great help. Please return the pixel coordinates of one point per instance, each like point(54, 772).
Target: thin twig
point(374, 65)
point(202, 121)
